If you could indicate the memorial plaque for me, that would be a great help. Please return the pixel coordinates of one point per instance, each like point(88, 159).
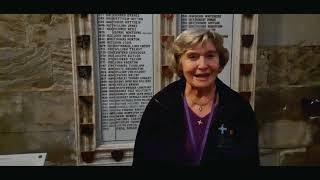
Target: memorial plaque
point(126, 70)
point(222, 24)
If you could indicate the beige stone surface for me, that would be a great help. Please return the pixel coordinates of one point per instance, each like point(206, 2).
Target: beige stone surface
point(11, 112)
point(36, 111)
point(48, 111)
point(12, 17)
point(286, 75)
point(285, 134)
point(62, 65)
point(37, 35)
point(288, 65)
point(59, 28)
point(293, 157)
point(47, 30)
point(25, 68)
point(313, 155)
point(262, 68)
point(13, 32)
point(283, 102)
point(269, 104)
point(59, 145)
point(38, 18)
point(269, 157)
point(36, 99)
point(278, 68)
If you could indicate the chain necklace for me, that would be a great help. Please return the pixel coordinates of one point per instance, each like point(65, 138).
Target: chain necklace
point(201, 106)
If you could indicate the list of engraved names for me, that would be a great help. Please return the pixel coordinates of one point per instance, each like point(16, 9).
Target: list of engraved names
point(125, 44)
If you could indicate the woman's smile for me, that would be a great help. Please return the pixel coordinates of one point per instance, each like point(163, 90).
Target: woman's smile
point(202, 76)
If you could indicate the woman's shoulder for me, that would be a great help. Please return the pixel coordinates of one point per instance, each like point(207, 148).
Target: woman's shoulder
point(167, 97)
point(173, 89)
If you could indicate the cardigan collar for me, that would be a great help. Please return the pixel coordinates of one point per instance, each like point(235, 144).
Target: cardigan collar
point(176, 94)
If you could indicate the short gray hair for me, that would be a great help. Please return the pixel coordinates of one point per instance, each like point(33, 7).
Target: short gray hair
point(191, 38)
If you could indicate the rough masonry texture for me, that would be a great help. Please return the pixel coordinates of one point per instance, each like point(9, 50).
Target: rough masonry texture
point(286, 75)
point(36, 96)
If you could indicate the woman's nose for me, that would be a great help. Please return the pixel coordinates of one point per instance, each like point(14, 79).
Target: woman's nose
point(202, 62)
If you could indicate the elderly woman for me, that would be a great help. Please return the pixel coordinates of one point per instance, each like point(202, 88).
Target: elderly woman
point(197, 120)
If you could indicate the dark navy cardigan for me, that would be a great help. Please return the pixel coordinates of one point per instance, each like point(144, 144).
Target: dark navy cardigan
point(162, 131)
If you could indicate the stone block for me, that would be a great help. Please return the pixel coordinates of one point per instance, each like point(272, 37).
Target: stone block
point(48, 111)
point(278, 68)
point(13, 33)
point(283, 102)
point(11, 112)
point(285, 134)
point(269, 157)
point(38, 35)
point(36, 111)
point(293, 157)
point(313, 155)
point(262, 68)
point(12, 17)
point(270, 104)
point(316, 129)
point(288, 65)
point(62, 65)
point(58, 145)
point(305, 69)
point(46, 31)
point(59, 31)
point(296, 94)
point(25, 68)
point(38, 18)
point(59, 19)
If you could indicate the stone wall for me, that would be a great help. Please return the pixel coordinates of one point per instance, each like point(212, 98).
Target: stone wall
point(36, 99)
point(286, 75)
point(36, 96)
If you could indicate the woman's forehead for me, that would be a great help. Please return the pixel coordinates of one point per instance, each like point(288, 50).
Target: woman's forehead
point(208, 45)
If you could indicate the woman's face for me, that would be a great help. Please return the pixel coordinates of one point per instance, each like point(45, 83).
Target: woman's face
point(200, 65)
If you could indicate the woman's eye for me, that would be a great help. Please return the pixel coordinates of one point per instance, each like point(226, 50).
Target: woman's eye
point(213, 55)
point(193, 56)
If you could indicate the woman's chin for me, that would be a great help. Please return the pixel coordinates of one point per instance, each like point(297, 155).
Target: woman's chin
point(203, 84)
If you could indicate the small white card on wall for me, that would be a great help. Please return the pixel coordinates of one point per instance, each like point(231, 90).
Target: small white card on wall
point(30, 159)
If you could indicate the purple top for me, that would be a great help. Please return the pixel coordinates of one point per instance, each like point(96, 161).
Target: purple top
point(197, 134)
